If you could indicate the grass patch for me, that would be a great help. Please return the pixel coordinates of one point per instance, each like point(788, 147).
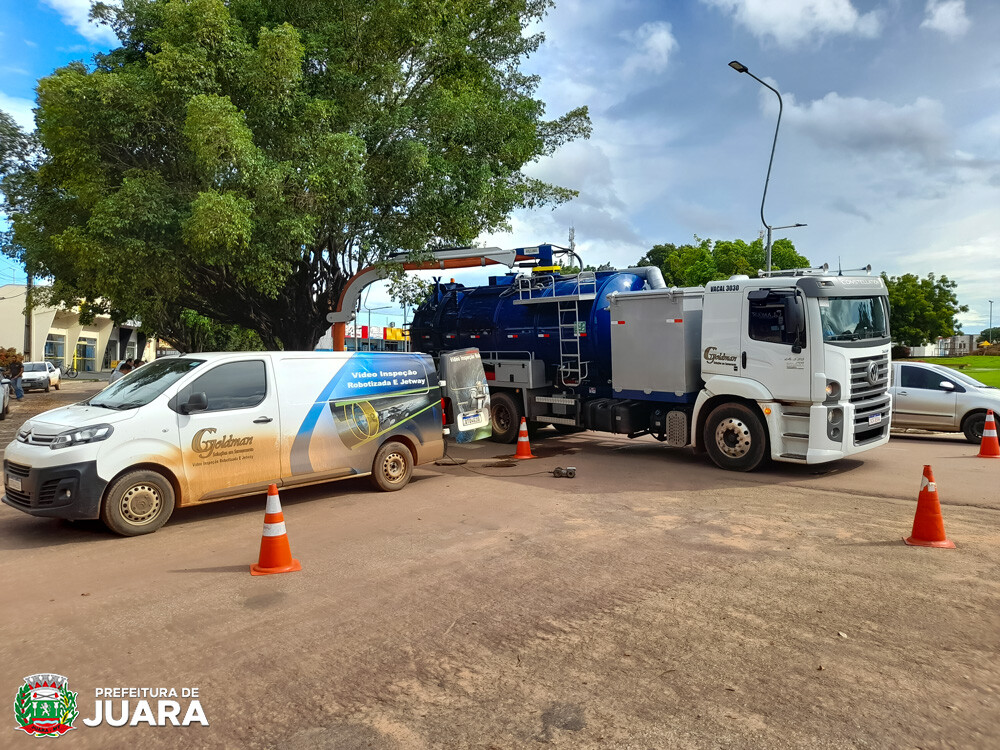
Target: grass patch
point(984, 369)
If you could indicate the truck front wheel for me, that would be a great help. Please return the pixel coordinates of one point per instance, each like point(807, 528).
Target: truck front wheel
point(735, 438)
point(506, 417)
point(137, 503)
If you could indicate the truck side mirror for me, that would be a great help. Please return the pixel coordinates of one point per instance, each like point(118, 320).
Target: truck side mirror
point(196, 402)
point(795, 320)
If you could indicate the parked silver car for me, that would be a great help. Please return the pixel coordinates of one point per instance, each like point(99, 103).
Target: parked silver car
point(934, 397)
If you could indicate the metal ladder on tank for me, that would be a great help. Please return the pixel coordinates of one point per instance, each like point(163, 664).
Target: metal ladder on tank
point(571, 370)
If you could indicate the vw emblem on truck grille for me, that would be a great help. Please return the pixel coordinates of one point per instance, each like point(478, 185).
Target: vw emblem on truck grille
point(873, 372)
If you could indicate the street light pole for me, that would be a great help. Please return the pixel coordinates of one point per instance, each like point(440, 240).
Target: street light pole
point(992, 337)
point(741, 68)
point(369, 309)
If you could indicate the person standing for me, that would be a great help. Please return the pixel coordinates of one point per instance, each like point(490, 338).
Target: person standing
point(16, 371)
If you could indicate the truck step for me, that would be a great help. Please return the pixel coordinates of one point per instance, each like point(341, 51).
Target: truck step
point(803, 414)
point(556, 420)
point(794, 456)
point(562, 400)
point(800, 435)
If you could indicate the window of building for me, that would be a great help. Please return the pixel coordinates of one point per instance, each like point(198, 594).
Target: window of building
point(55, 349)
point(86, 354)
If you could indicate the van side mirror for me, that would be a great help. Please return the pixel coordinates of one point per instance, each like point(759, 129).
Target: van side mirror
point(196, 402)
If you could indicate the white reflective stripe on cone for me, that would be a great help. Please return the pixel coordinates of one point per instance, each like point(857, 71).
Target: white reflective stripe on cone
point(273, 504)
point(274, 529)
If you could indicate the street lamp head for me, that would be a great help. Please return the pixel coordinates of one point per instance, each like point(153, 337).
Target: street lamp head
point(739, 67)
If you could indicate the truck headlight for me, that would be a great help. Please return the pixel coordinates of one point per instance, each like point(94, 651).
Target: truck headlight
point(80, 435)
point(832, 390)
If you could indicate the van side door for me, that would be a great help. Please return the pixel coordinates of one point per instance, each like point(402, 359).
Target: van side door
point(229, 430)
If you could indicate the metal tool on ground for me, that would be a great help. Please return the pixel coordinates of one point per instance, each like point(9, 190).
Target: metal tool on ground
point(989, 447)
point(568, 473)
point(523, 446)
point(928, 524)
point(275, 552)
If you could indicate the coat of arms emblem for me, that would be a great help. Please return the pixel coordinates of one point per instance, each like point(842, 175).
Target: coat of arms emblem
point(45, 706)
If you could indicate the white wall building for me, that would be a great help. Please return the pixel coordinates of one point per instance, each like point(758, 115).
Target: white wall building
point(57, 335)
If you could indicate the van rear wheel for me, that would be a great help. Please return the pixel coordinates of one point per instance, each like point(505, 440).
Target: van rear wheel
point(137, 503)
point(392, 467)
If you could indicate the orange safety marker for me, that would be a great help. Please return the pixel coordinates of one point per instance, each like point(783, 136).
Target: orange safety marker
point(928, 525)
point(523, 446)
point(275, 553)
point(989, 447)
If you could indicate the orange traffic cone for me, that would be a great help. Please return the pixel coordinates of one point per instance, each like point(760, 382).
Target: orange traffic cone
point(523, 446)
point(989, 448)
point(275, 554)
point(928, 525)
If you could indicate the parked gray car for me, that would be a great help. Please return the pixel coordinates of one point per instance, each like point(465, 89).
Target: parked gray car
point(934, 397)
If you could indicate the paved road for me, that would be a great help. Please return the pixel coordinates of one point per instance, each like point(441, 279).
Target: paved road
point(653, 601)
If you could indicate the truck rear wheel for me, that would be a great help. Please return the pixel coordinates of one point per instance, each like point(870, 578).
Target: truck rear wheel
point(735, 438)
point(137, 503)
point(392, 467)
point(506, 417)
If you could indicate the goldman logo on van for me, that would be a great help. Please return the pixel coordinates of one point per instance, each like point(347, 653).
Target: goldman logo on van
point(207, 447)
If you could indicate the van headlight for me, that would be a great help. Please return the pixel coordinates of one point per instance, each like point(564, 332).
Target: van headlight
point(93, 434)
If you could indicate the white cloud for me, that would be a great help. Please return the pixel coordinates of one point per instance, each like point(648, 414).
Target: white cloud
point(30, 43)
point(946, 16)
point(654, 44)
point(19, 109)
point(873, 125)
point(76, 13)
point(792, 22)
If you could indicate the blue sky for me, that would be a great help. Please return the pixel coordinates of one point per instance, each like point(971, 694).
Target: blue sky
point(889, 146)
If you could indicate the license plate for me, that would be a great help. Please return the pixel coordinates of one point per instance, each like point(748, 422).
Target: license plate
point(875, 419)
point(14, 483)
point(468, 419)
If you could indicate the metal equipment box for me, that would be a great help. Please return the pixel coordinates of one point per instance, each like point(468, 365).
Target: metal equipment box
point(656, 342)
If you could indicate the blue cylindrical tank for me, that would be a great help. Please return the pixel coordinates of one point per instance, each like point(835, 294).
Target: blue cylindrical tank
point(495, 318)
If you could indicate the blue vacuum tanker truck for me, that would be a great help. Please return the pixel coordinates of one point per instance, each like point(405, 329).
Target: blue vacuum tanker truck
point(791, 366)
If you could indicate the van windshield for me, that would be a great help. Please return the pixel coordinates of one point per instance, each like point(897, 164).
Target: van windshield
point(141, 386)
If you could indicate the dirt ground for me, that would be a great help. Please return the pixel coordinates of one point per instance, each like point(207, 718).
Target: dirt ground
point(652, 602)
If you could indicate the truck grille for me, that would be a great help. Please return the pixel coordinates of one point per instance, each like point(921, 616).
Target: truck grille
point(870, 398)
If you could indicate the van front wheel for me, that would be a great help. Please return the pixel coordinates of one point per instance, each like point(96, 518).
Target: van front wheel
point(137, 503)
point(392, 467)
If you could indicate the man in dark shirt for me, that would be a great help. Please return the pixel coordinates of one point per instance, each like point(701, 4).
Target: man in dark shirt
point(16, 370)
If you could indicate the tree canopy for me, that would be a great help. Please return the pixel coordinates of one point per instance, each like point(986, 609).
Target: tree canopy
point(707, 260)
point(922, 309)
point(242, 158)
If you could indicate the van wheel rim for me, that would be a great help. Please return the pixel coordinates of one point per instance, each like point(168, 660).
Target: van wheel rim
point(140, 504)
point(393, 467)
point(732, 437)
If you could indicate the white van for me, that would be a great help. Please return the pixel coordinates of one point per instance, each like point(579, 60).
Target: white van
point(202, 427)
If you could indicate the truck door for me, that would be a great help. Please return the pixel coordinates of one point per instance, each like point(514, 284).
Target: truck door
point(773, 341)
point(229, 430)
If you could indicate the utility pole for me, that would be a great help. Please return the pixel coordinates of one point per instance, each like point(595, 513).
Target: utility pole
point(27, 319)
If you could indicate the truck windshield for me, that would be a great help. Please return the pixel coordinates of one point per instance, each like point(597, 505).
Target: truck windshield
point(853, 318)
point(141, 386)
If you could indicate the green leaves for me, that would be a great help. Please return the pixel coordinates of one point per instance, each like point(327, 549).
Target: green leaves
point(696, 265)
point(242, 158)
point(921, 309)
